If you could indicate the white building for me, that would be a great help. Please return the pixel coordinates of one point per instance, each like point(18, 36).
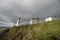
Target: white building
point(34, 21)
point(50, 18)
point(19, 22)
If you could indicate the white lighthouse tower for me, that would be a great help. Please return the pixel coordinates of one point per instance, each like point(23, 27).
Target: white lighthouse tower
point(18, 22)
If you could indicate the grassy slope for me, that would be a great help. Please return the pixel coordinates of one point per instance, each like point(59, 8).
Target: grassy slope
point(43, 31)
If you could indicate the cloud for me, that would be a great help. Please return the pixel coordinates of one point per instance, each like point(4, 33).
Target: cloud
point(5, 3)
point(5, 21)
point(10, 10)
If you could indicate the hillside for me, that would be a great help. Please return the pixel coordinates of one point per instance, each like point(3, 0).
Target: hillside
point(43, 31)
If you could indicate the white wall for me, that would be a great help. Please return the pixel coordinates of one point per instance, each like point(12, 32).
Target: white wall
point(48, 19)
point(18, 24)
point(33, 21)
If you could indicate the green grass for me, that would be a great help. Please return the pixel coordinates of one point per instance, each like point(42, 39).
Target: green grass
point(43, 31)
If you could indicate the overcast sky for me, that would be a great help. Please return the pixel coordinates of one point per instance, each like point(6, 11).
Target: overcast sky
point(10, 10)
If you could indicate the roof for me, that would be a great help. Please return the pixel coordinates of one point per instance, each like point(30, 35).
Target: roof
point(35, 18)
point(51, 16)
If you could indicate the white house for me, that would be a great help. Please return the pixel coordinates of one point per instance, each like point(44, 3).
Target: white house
point(50, 18)
point(34, 21)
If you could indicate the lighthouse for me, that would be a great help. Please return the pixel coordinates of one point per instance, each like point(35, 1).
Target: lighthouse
point(18, 22)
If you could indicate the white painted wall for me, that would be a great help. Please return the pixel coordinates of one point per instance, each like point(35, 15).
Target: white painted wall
point(18, 22)
point(33, 21)
point(48, 19)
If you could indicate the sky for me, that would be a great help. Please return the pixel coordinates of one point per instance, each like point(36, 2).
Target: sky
point(10, 10)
